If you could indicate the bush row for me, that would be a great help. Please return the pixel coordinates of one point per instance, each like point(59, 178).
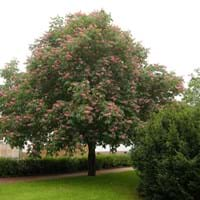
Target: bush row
point(27, 167)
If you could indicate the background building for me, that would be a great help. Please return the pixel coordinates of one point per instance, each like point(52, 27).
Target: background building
point(7, 152)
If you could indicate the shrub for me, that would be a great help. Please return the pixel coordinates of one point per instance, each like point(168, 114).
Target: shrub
point(168, 154)
point(27, 167)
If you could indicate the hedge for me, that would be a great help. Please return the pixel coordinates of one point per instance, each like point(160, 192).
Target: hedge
point(27, 167)
point(168, 155)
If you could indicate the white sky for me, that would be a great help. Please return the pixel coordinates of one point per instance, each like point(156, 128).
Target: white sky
point(170, 28)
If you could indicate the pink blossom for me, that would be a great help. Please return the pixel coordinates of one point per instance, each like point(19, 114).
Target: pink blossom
point(114, 59)
point(69, 38)
point(66, 75)
point(66, 114)
point(123, 136)
point(89, 108)
point(1, 94)
point(129, 121)
point(83, 95)
point(68, 56)
point(87, 112)
point(107, 114)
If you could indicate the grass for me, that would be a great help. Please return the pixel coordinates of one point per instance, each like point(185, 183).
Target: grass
point(113, 186)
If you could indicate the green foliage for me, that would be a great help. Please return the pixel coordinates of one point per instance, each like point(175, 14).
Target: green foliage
point(167, 154)
point(155, 88)
point(27, 167)
point(9, 72)
point(192, 94)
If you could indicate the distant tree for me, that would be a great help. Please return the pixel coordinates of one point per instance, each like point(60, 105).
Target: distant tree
point(15, 106)
point(155, 88)
point(81, 88)
point(9, 73)
point(192, 93)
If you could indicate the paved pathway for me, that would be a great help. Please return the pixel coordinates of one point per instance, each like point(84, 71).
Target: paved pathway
point(36, 178)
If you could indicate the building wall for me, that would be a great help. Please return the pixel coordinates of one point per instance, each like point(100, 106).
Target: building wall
point(7, 152)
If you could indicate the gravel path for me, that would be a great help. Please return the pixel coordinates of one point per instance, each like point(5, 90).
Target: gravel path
point(37, 178)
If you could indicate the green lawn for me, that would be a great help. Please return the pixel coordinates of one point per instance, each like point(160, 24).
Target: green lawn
point(116, 186)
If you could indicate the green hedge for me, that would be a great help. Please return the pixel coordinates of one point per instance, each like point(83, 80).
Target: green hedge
point(168, 155)
point(27, 167)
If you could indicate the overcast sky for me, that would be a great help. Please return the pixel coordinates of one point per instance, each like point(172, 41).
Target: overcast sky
point(170, 28)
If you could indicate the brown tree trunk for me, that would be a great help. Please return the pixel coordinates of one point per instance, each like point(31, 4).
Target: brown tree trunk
point(91, 159)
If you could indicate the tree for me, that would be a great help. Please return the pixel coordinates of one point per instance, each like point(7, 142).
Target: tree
point(192, 94)
point(155, 88)
point(15, 106)
point(80, 88)
point(167, 155)
point(9, 73)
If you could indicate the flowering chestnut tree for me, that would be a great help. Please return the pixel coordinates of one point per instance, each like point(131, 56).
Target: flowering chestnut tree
point(81, 88)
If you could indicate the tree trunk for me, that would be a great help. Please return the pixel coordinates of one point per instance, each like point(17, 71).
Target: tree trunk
point(91, 159)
